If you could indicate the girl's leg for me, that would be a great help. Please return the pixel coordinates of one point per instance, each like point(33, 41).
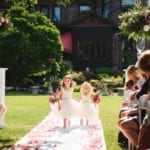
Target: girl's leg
point(87, 122)
point(65, 122)
point(81, 121)
point(130, 129)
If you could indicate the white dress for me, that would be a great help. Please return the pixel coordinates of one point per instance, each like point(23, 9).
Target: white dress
point(87, 108)
point(69, 106)
point(127, 95)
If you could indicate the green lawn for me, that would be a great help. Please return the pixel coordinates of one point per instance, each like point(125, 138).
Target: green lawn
point(25, 111)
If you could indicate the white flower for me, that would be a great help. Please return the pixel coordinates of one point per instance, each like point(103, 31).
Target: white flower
point(131, 20)
point(146, 28)
point(2, 19)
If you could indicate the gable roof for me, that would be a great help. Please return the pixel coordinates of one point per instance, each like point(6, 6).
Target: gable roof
point(91, 20)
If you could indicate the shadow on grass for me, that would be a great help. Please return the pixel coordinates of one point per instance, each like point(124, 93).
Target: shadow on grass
point(5, 144)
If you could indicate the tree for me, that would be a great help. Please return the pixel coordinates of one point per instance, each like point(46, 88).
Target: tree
point(33, 48)
point(30, 3)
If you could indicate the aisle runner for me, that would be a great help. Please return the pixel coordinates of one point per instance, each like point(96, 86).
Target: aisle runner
point(49, 135)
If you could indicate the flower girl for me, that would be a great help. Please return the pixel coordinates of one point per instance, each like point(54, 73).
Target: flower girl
point(87, 109)
point(69, 106)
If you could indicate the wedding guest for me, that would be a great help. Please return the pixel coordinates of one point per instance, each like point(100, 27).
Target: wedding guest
point(134, 80)
point(129, 90)
point(130, 127)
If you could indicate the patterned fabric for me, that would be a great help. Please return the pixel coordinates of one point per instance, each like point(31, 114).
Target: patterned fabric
point(49, 135)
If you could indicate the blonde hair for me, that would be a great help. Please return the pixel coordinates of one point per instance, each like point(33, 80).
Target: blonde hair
point(86, 84)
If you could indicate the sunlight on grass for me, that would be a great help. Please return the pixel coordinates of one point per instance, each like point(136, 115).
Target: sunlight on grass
point(26, 111)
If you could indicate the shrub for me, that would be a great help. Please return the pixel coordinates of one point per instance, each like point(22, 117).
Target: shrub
point(78, 77)
point(105, 70)
point(77, 88)
point(88, 75)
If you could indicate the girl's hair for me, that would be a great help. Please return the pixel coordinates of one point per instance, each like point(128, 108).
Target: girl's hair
point(131, 69)
point(129, 84)
point(86, 84)
point(68, 77)
point(144, 61)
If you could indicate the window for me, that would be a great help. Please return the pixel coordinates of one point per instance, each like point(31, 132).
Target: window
point(148, 2)
point(91, 50)
point(32, 9)
point(85, 9)
point(57, 14)
point(45, 10)
point(105, 8)
point(127, 3)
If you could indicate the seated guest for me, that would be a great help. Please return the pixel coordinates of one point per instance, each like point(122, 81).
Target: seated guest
point(129, 90)
point(130, 127)
point(131, 86)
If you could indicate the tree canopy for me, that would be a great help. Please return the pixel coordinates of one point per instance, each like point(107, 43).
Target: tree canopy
point(30, 3)
point(33, 47)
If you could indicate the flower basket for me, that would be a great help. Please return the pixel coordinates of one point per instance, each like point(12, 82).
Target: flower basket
point(135, 23)
point(96, 98)
point(55, 100)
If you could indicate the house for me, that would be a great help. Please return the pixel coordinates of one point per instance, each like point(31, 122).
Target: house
point(89, 31)
point(86, 32)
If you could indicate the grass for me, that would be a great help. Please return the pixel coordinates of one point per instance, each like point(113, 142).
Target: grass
point(25, 111)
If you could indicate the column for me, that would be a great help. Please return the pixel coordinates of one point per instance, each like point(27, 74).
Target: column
point(2, 93)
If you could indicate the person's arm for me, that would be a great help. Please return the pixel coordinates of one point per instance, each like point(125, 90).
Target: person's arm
point(133, 112)
point(61, 93)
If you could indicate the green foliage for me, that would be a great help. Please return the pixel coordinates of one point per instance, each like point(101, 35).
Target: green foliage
point(95, 83)
point(105, 70)
point(63, 2)
point(32, 46)
point(128, 58)
point(31, 3)
point(78, 77)
point(118, 81)
point(77, 88)
point(65, 67)
point(23, 3)
point(111, 81)
point(102, 76)
point(135, 22)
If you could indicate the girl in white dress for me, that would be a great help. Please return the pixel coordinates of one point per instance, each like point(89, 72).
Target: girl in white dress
point(88, 111)
point(69, 105)
point(129, 90)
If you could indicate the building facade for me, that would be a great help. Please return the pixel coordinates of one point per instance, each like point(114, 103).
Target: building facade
point(89, 31)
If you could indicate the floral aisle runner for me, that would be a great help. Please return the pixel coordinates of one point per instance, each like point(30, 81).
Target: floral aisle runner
point(49, 135)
